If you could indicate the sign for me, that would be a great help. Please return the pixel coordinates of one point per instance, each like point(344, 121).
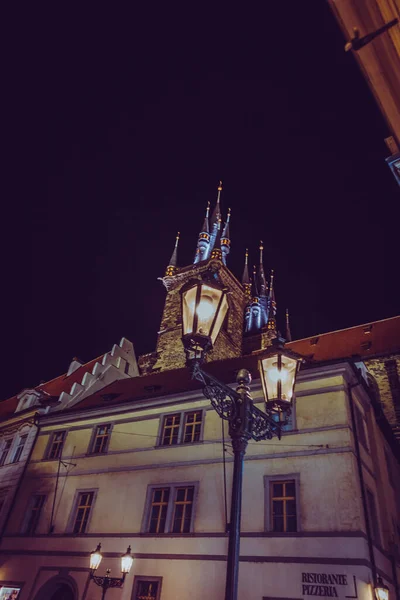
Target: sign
point(322, 584)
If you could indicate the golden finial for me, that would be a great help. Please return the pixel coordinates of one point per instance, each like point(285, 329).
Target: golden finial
point(220, 186)
point(261, 245)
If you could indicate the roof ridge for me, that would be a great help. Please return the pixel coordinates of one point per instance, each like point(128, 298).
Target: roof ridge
point(344, 329)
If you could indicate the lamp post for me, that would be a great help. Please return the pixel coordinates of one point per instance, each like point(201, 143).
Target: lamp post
point(107, 582)
point(204, 307)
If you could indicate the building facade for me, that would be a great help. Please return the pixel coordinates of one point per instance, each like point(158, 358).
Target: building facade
point(145, 461)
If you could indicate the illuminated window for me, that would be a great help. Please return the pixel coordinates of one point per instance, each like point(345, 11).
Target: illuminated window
point(183, 506)
point(19, 448)
point(146, 588)
point(101, 439)
point(170, 509)
point(281, 503)
point(34, 512)
point(56, 444)
point(158, 510)
point(171, 428)
point(182, 428)
point(192, 427)
point(83, 508)
point(4, 451)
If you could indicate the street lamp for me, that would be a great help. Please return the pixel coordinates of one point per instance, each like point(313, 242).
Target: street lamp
point(204, 307)
point(381, 590)
point(107, 581)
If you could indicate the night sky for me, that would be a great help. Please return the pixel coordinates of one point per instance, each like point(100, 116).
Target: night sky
point(121, 125)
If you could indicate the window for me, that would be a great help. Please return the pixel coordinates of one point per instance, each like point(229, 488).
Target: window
point(9, 593)
point(282, 507)
point(101, 439)
point(4, 451)
point(360, 425)
point(19, 448)
point(33, 516)
point(83, 508)
point(373, 517)
point(56, 444)
point(290, 419)
point(182, 428)
point(146, 588)
point(170, 509)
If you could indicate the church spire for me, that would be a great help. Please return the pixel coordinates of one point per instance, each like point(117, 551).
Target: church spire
point(225, 239)
point(173, 261)
point(216, 252)
point(216, 216)
point(271, 304)
point(261, 275)
point(203, 243)
point(246, 282)
point(255, 286)
point(288, 335)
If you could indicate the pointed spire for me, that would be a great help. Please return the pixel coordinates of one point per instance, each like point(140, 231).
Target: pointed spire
point(216, 251)
point(271, 304)
point(203, 243)
point(255, 286)
point(288, 335)
point(261, 275)
point(206, 225)
point(173, 261)
point(225, 240)
point(246, 281)
point(216, 216)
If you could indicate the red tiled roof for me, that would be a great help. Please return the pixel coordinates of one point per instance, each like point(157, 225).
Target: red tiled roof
point(54, 387)
point(370, 339)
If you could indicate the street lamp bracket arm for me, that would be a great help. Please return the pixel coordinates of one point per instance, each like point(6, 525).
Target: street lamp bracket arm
point(223, 399)
point(263, 427)
point(108, 582)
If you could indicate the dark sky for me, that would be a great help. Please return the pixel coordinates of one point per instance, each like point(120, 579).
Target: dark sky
point(121, 125)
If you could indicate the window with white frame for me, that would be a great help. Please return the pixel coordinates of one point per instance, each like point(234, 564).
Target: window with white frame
point(19, 448)
point(5, 448)
point(282, 505)
point(33, 514)
point(170, 508)
point(182, 428)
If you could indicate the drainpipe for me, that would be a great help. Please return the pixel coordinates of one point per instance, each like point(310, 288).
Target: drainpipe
point(361, 478)
point(21, 477)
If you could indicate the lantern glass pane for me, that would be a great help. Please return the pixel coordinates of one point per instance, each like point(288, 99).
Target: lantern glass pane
point(188, 308)
point(271, 375)
point(220, 318)
point(95, 560)
point(207, 308)
point(382, 592)
point(126, 563)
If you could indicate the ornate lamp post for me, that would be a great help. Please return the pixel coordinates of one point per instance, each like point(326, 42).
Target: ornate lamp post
point(107, 581)
point(204, 307)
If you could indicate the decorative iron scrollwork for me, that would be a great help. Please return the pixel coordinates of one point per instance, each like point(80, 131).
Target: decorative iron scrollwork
point(226, 402)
